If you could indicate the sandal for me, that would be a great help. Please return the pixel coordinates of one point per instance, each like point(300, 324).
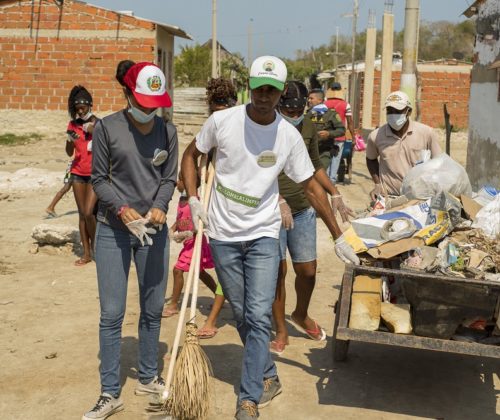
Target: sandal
point(167, 312)
point(82, 261)
point(316, 334)
point(277, 347)
point(51, 213)
point(207, 332)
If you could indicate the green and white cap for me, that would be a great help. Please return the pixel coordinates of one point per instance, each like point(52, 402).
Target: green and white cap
point(268, 70)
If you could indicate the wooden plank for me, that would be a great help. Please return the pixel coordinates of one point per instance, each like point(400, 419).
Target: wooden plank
point(345, 303)
point(416, 342)
point(412, 274)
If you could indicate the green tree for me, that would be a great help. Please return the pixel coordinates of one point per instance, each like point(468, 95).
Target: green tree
point(193, 66)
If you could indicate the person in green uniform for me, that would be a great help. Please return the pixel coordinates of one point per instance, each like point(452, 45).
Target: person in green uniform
point(328, 125)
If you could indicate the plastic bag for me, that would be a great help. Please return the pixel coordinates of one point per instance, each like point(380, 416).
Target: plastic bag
point(488, 218)
point(439, 174)
point(359, 143)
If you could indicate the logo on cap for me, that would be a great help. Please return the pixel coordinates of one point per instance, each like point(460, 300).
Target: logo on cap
point(154, 83)
point(268, 66)
point(394, 98)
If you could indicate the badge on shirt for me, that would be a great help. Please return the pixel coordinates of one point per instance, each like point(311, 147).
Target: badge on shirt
point(159, 157)
point(266, 159)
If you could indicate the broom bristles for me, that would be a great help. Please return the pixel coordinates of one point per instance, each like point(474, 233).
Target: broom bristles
point(191, 391)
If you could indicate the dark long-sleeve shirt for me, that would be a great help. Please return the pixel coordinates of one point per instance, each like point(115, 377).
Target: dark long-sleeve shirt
point(331, 122)
point(123, 173)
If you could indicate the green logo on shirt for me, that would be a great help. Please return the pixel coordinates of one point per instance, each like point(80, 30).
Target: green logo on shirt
point(237, 197)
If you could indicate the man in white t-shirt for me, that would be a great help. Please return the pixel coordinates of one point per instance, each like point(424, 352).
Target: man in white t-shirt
point(254, 144)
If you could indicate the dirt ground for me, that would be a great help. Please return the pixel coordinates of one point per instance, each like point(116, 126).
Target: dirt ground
point(49, 312)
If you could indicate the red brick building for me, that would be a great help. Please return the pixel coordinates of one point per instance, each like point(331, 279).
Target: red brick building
point(48, 46)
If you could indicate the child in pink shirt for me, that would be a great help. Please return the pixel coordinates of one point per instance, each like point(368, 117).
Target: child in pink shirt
point(182, 231)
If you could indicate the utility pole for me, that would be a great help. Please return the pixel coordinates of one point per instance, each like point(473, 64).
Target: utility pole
point(215, 70)
point(371, 42)
point(386, 67)
point(249, 53)
point(410, 50)
point(352, 90)
point(336, 56)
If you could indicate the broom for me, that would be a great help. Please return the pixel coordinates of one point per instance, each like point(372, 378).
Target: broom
point(190, 397)
point(192, 377)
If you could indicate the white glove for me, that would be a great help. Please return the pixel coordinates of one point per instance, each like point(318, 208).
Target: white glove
point(377, 190)
point(345, 252)
point(180, 237)
point(156, 226)
point(89, 146)
point(139, 229)
point(338, 205)
point(197, 212)
point(286, 215)
point(86, 126)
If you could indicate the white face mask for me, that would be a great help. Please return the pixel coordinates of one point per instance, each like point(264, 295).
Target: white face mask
point(396, 121)
point(86, 116)
point(138, 115)
point(294, 121)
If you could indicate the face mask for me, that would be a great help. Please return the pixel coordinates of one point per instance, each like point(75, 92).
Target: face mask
point(396, 121)
point(294, 121)
point(86, 116)
point(138, 115)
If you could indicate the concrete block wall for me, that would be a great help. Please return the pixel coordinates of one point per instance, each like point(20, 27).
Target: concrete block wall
point(46, 49)
point(437, 88)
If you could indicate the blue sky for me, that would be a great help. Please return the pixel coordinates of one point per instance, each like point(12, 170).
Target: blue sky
point(279, 27)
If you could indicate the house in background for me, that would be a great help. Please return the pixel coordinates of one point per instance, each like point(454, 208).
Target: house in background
point(48, 46)
point(483, 150)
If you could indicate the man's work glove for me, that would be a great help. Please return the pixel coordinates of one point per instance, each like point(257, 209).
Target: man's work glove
point(345, 252)
point(139, 229)
point(157, 218)
point(180, 237)
point(377, 190)
point(338, 205)
point(286, 215)
point(197, 212)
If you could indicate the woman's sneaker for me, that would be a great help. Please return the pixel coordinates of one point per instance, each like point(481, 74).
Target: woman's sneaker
point(272, 388)
point(247, 410)
point(156, 386)
point(105, 407)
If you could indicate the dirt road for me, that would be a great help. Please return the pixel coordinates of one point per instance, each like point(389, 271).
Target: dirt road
point(49, 315)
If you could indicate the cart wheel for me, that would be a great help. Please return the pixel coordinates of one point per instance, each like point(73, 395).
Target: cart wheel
point(339, 347)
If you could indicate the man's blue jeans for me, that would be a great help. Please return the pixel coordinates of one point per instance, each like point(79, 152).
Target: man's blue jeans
point(335, 162)
point(114, 250)
point(247, 272)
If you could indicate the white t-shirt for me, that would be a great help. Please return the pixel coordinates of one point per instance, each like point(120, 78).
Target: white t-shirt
point(244, 200)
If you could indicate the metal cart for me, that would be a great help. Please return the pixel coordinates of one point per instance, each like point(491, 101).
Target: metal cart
point(342, 334)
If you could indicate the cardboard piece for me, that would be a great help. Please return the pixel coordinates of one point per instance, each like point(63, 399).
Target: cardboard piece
point(470, 206)
point(393, 248)
point(396, 317)
point(366, 301)
point(476, 257)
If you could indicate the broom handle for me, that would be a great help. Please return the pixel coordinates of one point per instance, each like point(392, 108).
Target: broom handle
point(182, 313)
point(206, 189)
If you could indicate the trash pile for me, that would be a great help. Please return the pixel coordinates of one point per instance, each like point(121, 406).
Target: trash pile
point(438, 226)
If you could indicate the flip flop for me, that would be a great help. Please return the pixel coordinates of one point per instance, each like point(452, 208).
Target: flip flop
point(167, 313)
point(277, 347)
point(207, 332)
point(51, 213)
point(316, 334)
point(80, 262)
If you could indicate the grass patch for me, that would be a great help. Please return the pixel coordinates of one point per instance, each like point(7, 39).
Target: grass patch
point(10, 139)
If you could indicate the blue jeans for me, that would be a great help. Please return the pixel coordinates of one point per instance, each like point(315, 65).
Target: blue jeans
point(114, 250)
point(335, 162)
point(247, 272)
point(301, 240)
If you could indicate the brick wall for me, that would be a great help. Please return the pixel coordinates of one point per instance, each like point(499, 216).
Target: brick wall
point(45, 50)
point(437, 88)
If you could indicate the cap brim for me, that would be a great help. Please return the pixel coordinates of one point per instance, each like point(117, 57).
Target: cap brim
point(396, 105)
point(153, 101)
point(257, 82)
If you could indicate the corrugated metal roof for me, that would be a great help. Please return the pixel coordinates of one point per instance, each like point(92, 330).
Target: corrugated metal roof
point(473, 9)
point(174, 30)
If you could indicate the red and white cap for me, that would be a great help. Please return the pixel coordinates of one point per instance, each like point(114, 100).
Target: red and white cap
point(147, 83)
